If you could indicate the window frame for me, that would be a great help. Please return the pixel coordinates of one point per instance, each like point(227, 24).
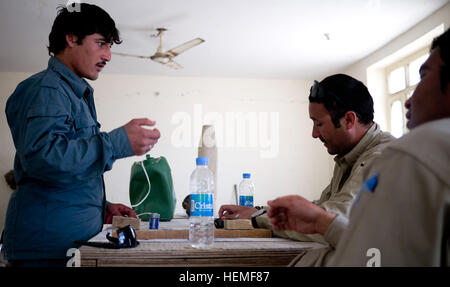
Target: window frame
point(401, 95)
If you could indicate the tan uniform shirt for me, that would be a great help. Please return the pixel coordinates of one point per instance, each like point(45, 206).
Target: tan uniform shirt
point(338, 196)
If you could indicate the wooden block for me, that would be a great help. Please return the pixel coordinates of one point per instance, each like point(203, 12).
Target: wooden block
point(244, 224)
point(144, 234)
point(121, 221)
point(162, 234)
point(238, 233)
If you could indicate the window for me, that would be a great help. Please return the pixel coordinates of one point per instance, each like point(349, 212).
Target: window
point(402, 78)
point(397, 122)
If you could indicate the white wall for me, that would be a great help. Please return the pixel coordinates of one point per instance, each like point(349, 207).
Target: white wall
point(370, 69)
point(299, 164)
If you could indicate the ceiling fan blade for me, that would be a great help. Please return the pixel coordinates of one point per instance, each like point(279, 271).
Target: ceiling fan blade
point(174, 65)
point(130, 55)
point(186, 46)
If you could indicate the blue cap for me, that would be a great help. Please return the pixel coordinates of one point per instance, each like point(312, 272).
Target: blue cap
point(202, 160)
point(246, 175)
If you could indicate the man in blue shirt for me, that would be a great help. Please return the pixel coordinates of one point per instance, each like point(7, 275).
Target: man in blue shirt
point(61, 154)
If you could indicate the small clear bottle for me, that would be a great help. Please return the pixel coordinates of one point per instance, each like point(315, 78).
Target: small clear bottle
point(246, 191)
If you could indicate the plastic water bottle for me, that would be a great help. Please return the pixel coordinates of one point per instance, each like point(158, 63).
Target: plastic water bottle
point(246, 191)
point(201, 229)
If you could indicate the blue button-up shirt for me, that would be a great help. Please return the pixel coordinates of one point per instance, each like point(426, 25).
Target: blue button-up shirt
point(60, 159)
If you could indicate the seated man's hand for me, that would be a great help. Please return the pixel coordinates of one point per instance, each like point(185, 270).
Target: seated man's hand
point(236, 212)
point(117, 209)
point(296, 213)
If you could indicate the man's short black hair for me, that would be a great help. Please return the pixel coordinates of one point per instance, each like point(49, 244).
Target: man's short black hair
point(343, 93)
point(443, 42)
point(90, 19)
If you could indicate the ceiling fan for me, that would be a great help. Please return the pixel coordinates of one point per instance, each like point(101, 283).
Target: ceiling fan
point(166, 57)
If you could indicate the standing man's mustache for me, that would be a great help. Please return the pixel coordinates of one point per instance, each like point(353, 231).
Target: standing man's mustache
point(102, 63)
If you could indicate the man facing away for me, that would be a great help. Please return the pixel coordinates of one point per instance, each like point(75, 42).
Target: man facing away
point(401, 216)
point(61, 154)
point(341, 109)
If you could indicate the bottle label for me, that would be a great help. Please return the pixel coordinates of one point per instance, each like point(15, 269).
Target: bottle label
point(246, 200)
point(202, 204)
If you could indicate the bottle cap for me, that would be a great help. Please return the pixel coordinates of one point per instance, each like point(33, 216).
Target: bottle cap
point(202, 161)
point(246, 175)
point(155, 215)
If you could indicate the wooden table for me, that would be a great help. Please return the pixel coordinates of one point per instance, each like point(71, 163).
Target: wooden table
point(178, 252)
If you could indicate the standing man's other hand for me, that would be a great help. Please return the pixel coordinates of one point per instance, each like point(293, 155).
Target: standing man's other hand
point(118, 209)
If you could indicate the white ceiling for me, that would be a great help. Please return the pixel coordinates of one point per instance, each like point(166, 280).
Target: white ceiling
point(244, 38)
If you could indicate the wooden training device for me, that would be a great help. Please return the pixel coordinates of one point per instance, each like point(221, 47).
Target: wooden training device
point(235, 228)
point(122, 221)
point(238, 224)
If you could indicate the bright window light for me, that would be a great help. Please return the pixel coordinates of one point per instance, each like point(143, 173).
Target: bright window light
point(396, 80)
point(397, 119)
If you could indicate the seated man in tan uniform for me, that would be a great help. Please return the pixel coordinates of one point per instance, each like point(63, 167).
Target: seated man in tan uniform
point(341, 109)
point(401, 216)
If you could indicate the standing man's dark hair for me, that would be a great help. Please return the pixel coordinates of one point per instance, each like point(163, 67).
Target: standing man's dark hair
point(341, 93)
point(91, 19)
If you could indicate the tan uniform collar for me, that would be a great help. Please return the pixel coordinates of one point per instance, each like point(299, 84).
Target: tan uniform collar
point(350, 158)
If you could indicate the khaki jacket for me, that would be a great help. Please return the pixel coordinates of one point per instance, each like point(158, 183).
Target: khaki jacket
point(338, 196)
